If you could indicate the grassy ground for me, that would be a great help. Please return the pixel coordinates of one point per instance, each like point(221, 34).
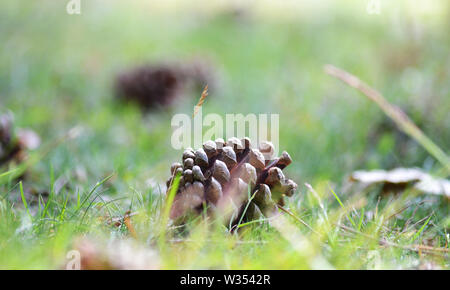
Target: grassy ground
point(56, 72)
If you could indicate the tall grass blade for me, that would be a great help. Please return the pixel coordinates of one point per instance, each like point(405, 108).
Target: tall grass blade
point(343, 207)
point(393, 112)
point(24, 200)
point(421, 230)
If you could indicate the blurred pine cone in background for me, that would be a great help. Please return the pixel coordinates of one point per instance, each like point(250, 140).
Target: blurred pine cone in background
point(231, 177)
point(13, 146)
point(158, 85)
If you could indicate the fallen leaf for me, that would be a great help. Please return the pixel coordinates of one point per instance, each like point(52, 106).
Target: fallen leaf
point(116, 255)
point(402, 178)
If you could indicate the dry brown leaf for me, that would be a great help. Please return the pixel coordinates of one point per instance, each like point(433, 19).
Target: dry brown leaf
point(116, 255)
point(200, 101)
point(414, 177)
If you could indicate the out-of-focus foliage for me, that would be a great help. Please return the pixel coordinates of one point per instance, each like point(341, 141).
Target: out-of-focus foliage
point(57, 71)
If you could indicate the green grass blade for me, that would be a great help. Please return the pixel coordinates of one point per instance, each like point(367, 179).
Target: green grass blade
point(167, 208)
point(24, 200)
point(361, 220)
point(246, 206)
point(343, 207)
point(420, 230)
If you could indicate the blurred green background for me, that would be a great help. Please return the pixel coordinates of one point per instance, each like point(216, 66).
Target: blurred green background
point(57, 72)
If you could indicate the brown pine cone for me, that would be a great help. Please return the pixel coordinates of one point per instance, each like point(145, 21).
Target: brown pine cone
point(14, 146)
point(158, 85)
point(226, 175)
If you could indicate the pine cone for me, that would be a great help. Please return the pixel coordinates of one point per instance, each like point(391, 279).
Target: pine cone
point(153, 86)
point(149, 86)
point(222, 175)
point(8, 147)
point(13, 147)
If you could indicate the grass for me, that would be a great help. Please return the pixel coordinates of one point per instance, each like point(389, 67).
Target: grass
point(56, 73)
